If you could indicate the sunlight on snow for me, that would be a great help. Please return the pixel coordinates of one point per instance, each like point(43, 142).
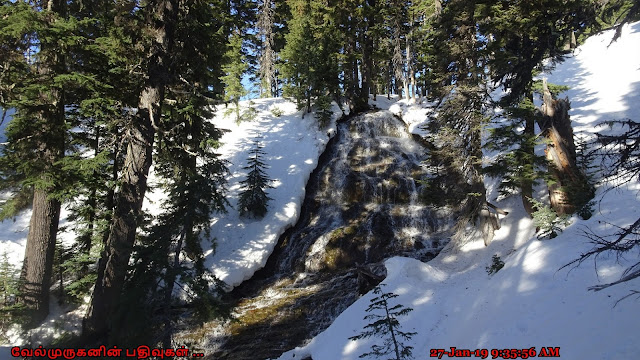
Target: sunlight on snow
point(350, 348)
point(534, 256)
point(423, 299)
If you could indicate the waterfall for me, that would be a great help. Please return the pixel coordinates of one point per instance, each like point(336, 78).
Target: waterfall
point(366, 205)
point(362, 206)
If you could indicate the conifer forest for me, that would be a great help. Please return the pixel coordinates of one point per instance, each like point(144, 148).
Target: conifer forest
point(236, 179)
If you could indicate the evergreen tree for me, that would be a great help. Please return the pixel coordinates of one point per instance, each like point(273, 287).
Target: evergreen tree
point(323, 111)
point(253, 199)
point(8, 280)
point(47, 86)
point(194, 178)
point(297, 55)
point(518, 165)
point(325, 74)
point(521, 37)
point(9, 276)
point(160, 18)
point(460, 63)
point(234, 69)
point(169, 251)
point(311, 65)
point(386, 326)
point(522, 34)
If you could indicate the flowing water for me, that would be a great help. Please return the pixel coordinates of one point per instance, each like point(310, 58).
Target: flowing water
point(362, 206)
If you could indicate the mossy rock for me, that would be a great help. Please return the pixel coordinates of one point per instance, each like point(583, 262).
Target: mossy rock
point(344, 248)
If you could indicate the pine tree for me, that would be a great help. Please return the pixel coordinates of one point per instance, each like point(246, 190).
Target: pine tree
point(386, 326)
point(297, 55)
point(517, 165)
point(160, 19)
point(459, 65)
point(521, 36)
point(47, 85)
point(325, 75)
point(170, 249)
point(323, 111)
point(194, 178)
point(234, 69)
point(311, 65)
point(253, 199)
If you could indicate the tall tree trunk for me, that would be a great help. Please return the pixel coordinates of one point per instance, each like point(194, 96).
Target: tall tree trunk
point(367, 57)
point(109, 202)
point(487, 222)
point(112, 268)
point(397, 55)
point(374, 80)
point(410, 69)
point(37, 268)
point(570, 184)
point(388, 79)
point(407, 61)
point(267, 56)
point(424, 81)
point(526, 185)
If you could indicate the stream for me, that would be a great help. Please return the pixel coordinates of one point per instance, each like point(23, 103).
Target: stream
point(362, 206)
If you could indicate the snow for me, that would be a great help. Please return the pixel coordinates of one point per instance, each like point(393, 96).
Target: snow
point(532, 301)
point(292, 145)
point(413, 113)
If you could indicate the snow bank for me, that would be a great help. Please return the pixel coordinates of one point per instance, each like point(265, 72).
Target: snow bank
point(530, 302)
point(293, 145)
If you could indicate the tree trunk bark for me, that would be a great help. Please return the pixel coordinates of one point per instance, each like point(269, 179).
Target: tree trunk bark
point(561, 154)
point(113, 264)
point(388, 81)
point(397, 56)
point(526, 185)
point(367, 59)
point(410, 68)
point(35, 278)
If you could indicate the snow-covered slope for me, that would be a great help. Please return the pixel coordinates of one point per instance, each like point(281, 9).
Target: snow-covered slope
point(530, 302)
point(293, 145)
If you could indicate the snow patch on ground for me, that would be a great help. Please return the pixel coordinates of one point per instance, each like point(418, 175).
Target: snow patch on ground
point(531, 302)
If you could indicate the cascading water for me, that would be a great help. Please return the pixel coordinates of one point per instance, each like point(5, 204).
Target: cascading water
point(362, 206)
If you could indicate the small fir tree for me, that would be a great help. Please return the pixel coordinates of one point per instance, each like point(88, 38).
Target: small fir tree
point(386, 326)
point(518, 166)
point(496, 265)
point(8, 280)
point(253, 199)
point(547, 221)
point(250, 113)
point(9, 310)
